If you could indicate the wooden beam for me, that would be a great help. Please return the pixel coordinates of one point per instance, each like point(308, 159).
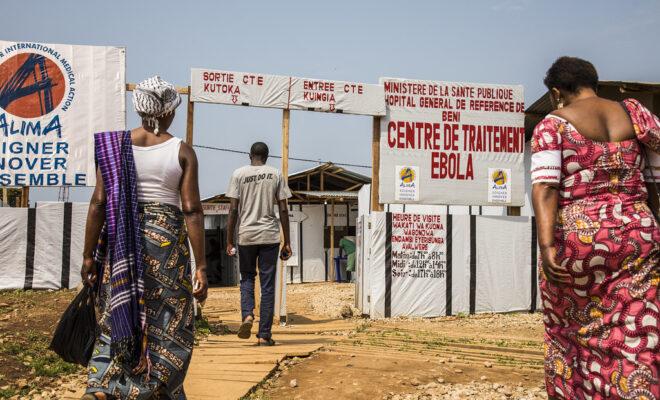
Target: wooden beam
point(286, 115)
point(332, 242)
point(352, 188)
point(189, 121)
point(375, 165)
point(343, 178)
point(181, 89)
point(25, 196)
point(322, 181)
point(309, 181)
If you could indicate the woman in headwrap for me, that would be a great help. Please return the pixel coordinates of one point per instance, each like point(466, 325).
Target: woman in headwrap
point(144, 209)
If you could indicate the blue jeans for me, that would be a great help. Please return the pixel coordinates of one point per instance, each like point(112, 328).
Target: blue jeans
point(266, 256)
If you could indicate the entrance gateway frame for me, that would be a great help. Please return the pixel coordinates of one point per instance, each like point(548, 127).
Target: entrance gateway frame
point(280, 298)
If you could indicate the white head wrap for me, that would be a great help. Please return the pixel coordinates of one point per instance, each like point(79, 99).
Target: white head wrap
point(154, 98)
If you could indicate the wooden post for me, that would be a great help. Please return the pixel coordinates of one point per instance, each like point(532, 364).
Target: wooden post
point(25, 196)
point(286, 114)
point(375, 165)
point(332, 241)
point(285, 144)
point(190, 120)
point(5, 197)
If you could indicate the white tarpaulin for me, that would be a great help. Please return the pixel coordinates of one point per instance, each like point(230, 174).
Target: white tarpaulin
point(13, 246)
point(53, 98)
point(452, 143)
point(472, 264)
point(34, 255)
point(286, 92)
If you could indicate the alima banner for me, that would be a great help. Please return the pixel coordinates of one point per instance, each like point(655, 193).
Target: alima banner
point(285, 92)
point(53, 98)
point(452, 143)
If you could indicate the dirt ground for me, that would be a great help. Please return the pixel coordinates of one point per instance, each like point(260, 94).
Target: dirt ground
point(478, 357)
point(27, 321)
point(463, 357)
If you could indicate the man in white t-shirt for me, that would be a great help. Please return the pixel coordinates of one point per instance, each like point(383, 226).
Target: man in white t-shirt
point(254, 190)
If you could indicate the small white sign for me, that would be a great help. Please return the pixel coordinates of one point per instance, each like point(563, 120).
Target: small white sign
point(215, 208)
point(406, 179)
point(499, 185)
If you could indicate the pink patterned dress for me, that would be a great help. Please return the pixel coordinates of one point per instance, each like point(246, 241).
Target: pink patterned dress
point(601, 331)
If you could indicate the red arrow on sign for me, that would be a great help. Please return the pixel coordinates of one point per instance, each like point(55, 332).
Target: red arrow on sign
point(234, 98)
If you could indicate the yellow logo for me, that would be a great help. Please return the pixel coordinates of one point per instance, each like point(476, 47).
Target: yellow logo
point(407, 175)
point(499, 177)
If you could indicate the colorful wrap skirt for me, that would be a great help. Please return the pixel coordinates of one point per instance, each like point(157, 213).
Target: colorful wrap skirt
point(169, 308)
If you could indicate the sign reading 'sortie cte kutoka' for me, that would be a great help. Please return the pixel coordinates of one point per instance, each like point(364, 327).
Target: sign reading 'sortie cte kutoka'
point(53, 98)
point(452, 143)
point(285, 92)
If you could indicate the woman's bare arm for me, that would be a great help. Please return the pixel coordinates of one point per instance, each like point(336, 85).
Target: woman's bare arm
point(194, 216)
point(545, 198)
point(93, 226)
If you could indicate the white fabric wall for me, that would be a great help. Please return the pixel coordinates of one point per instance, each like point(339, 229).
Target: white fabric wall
point(313, 253)
point(527, 209)
point(364, 200)
point(78, 221)
point(503, 264)
point(48, 239)
point(460, 264)
point(503, 271)
point(377, 268)
point(13, 247)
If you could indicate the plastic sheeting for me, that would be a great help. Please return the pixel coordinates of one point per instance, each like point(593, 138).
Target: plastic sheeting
point(490, 268)
point(313, 254)
point(41, 248)
point(13, 245)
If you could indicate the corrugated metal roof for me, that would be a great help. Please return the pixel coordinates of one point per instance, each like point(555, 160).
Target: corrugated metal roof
point(328, 194)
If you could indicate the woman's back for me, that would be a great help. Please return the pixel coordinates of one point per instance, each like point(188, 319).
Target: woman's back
point(158, 167)
point(599, 119)
point(601, 158)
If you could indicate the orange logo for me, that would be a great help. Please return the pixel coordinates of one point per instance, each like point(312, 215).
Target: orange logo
point(31, 85)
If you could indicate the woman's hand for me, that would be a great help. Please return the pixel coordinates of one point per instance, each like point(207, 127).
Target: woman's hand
point(201, 285)
point(554, 272)
point(88, 271)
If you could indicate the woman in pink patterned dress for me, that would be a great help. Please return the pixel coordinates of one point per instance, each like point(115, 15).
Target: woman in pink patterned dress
point(599, 240)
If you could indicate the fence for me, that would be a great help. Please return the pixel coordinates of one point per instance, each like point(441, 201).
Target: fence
point(479, 264)
point(41, 247)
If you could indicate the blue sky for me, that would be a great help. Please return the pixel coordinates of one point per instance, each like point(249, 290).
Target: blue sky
point(506, 41)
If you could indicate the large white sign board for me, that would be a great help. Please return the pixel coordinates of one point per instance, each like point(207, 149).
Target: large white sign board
point(452, 143)
point(53, 98)
point(285, 92)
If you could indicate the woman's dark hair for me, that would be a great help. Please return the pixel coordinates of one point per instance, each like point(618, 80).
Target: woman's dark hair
point(571, 74)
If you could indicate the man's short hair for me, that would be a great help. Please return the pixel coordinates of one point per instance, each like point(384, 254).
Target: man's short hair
point(260, 150)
